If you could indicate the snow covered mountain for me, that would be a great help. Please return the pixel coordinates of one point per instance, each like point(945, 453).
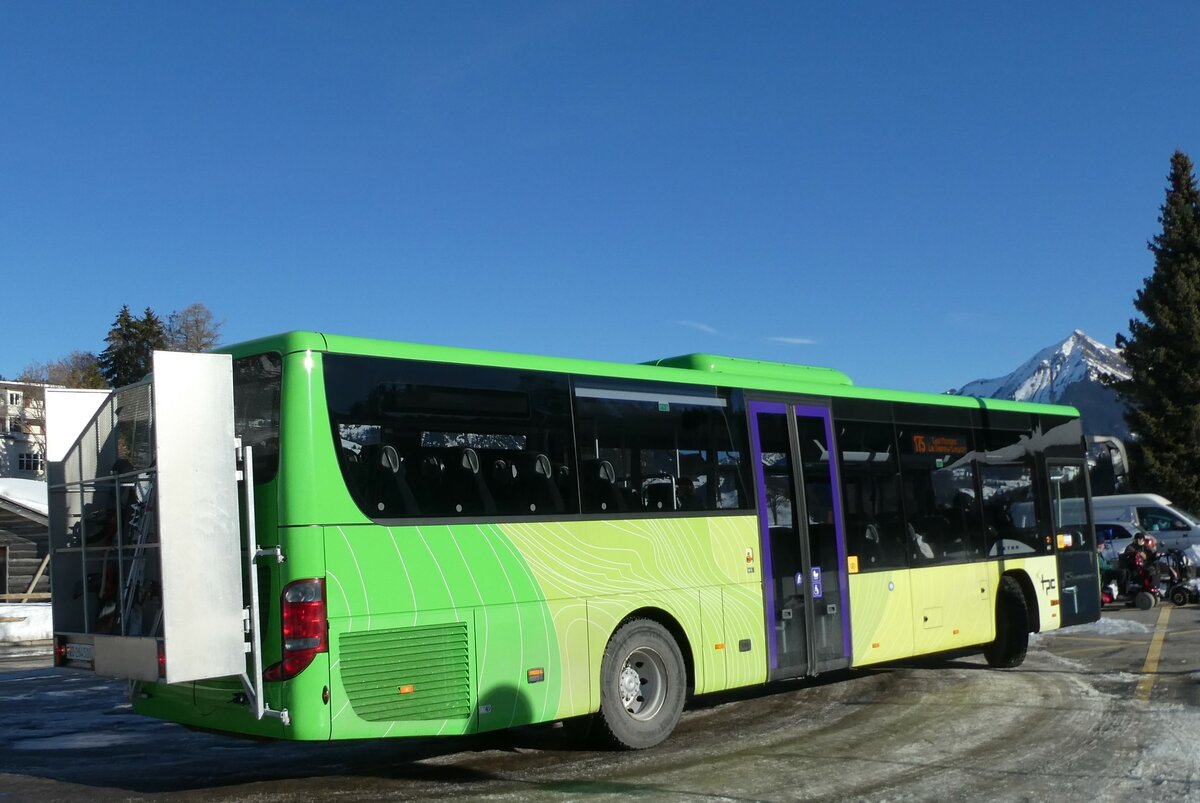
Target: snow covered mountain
point(1066, 373)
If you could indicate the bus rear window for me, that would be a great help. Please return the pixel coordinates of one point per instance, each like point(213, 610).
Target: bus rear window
point(256, 387)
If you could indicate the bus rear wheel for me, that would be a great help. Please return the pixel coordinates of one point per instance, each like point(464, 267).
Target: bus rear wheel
point(1012, 627)
point(642, 686)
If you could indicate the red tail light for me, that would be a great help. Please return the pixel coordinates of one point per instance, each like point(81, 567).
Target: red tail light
point(305, 628)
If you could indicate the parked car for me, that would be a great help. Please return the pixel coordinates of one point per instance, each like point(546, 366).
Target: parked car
point(1170, 526)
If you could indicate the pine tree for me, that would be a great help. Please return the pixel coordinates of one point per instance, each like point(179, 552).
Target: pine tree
point(131, 342)
point(153, 335)
point(118, 361)
point(1163, 350)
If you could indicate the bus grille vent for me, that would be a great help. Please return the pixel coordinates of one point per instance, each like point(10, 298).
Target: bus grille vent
point(408, 673)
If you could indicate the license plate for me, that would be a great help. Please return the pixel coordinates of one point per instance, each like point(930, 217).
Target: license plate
point(79, 652)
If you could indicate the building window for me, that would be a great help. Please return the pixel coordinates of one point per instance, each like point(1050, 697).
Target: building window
point(14, 398)
point(30, 461)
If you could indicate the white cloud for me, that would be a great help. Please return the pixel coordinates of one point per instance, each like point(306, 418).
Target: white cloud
point(703, 327)
point(794, 341)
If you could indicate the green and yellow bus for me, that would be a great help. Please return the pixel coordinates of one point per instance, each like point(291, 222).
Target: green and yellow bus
point(460, 541)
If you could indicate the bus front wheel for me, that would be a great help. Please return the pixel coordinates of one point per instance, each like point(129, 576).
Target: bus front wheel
point(1012, 627)
point(642, 686)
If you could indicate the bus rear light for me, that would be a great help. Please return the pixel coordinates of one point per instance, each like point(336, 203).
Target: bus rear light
point(305, 629)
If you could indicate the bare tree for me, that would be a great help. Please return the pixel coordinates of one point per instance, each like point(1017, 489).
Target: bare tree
point(193, 329)
point(79, 369)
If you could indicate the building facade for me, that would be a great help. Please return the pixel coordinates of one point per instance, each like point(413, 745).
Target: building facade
point(23, 430)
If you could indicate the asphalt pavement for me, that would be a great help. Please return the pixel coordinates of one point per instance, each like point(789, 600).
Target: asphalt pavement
point(1107, 711)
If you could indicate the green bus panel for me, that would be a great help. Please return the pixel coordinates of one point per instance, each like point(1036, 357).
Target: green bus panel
point(468, 627)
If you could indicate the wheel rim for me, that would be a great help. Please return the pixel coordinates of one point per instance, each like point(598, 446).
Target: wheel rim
point(642, 684)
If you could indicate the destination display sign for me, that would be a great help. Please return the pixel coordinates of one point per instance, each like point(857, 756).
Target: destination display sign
point(943, 444)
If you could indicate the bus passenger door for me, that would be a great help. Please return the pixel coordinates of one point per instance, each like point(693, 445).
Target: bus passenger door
point(1078, 575)
point(805, 586)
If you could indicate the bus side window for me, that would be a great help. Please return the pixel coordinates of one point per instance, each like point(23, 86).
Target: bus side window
point(385, 484)
point(469, 437)
point(943, 521)
point(536, 487)
point(1008, 510)
point(637, 441)
point(598, 481)
point(875, 533)
point(502, 479)
point(469, 493)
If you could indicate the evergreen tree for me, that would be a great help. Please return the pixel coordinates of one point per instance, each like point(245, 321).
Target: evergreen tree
point(153, 335)
point(127, 357)
point(1163, 350)
point(118, 361)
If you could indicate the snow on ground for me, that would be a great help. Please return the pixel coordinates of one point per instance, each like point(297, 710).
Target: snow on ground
point(91, 740)
point(1102, 627)
point(27, 621)
point(1110, 627)
point(28, 493)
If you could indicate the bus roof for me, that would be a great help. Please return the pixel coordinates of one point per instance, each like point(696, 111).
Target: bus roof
point(695, 369)
point(788, 372)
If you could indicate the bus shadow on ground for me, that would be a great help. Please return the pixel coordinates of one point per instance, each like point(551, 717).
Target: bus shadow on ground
point(94, 741)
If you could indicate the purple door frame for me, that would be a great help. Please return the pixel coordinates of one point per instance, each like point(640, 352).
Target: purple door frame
point(754, 408)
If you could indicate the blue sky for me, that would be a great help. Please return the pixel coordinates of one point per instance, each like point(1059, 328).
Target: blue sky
point(919, 194)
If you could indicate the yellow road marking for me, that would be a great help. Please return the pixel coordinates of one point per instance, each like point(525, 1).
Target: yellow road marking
point(1150, 668)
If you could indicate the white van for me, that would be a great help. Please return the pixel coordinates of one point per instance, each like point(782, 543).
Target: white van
point(1171, 527)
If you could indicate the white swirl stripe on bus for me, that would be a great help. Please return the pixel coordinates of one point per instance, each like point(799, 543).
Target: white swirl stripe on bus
point(482, 608)
point(345, 599)
point(518, 608)
point(547, 624)
point(412, 591)
point(573, 619)
point(361, 579)
point(438, 565)
point(694, 568)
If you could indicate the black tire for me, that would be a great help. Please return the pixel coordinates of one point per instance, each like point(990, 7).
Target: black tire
point(1180, 595)
point(1144, 600)
point(1012, 627)
point(642, 686)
